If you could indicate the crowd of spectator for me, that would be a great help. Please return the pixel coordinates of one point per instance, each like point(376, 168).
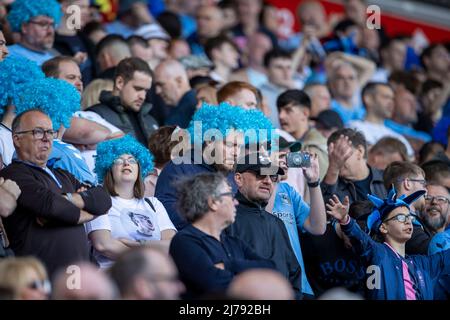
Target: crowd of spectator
point(153, 153)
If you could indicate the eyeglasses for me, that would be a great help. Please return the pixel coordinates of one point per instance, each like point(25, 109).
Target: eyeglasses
point(402, 218)
point(43, 24)
point(421, 181)
point(121, 161)
point(39, 133)
point(273, 177)
point(43, 285)
point(441, 200)
point(225, 194)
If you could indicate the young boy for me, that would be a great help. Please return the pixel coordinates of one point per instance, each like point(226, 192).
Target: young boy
point(396, 276)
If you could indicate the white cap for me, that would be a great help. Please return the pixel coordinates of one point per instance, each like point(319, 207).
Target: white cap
point(152, 31)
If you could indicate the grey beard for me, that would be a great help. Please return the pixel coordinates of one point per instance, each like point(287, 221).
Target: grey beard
point(434, 223)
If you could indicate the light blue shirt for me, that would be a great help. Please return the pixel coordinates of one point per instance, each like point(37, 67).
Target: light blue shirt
point(117, 27)
point(293, 211)
point(356, 113)
point(67, 157)
point(440, 242)
point(36, 56)
point(407, 131)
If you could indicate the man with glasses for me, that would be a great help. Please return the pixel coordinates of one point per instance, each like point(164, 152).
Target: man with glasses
point(35, 21)
point(206, 258)
point(48, 220)
point(408, 178)
point(436, 217)
point(255, 177)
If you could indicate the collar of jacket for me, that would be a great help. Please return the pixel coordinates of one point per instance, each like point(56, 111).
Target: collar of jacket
point(377, 176)
point(112, 101)
point(251, 204)
point(191, 157)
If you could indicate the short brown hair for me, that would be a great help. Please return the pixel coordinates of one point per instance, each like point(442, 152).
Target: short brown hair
point(128, 66)
point(356, 137)
point(389, 145)
point(232, 88)
point(51, 67)
point(138, 189)
point(160, 145)
point(399, 170)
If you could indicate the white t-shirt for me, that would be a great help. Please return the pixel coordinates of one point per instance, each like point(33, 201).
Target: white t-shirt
point(374, 132)
point(132, 219)
point(6, 145)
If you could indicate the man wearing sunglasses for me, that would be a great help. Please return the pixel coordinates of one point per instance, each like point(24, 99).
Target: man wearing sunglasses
point(48, 220)
point(265, 233)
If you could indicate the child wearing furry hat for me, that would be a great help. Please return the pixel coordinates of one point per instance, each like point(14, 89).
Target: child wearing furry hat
point(395, 276)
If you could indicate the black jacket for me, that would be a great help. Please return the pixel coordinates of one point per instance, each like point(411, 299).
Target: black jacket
point(44, 223)
point(140, 124)
point(268, 237)
point(195, 254)
point(344, 187)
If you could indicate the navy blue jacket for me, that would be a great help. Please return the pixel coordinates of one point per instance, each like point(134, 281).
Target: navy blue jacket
point(165, 189)
point(181, 114)
point(195, 253)
point(424, 270)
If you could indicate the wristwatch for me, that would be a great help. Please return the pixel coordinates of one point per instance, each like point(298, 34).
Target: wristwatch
point(314, 184)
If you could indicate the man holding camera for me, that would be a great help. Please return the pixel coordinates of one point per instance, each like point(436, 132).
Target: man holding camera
point(294, 107)
point(256, 179)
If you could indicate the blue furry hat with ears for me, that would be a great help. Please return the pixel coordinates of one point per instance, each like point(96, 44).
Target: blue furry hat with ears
point(23, 11)
point(110, 150)
point(384, 206)
point(58, 98)
point(16, 71)
point(225, 117)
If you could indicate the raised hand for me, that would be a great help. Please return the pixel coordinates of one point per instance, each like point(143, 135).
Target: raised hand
point(337, 209)
point(312, 173)
point(339, 152)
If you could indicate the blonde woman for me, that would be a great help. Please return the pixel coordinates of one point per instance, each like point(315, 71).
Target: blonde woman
point(25, 278)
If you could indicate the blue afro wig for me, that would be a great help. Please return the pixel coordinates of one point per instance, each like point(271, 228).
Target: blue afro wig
point(58, 98)
point(110, 150)
point(23, 10)
point(16, 71)
point(226, 117)
point(256, 120)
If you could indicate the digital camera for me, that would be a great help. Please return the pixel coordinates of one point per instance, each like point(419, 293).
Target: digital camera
point(298, 159)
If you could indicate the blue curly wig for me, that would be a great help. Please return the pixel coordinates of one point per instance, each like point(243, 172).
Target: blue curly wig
point(16, 71)
point(58, 98)
point(110, 150)
point(226, 117)
point(23, 10)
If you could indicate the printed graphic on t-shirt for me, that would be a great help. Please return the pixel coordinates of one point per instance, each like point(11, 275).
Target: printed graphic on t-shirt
point(140, 224)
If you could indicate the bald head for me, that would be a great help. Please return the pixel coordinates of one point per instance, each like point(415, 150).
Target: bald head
point(83, 282)
point(171, 81)
point(261, 285)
